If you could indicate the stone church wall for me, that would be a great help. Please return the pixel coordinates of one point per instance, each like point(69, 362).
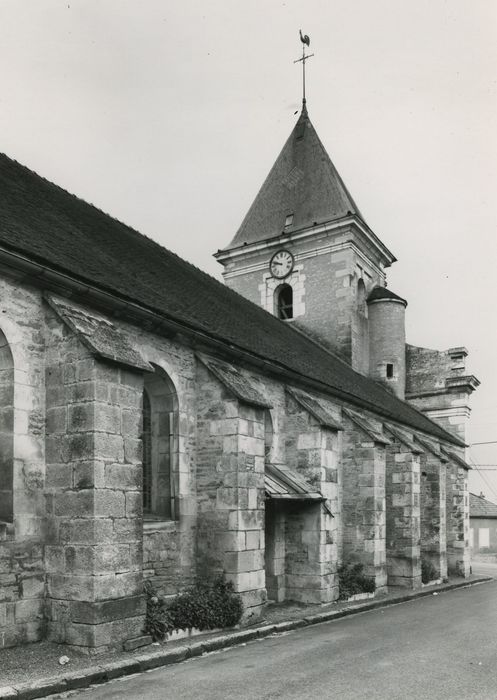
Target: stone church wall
point(74, 557)
point(22, 530)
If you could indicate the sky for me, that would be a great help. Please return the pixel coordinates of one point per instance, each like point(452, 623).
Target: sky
point(168, 115)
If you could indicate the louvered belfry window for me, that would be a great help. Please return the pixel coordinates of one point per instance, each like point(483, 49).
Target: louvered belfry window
point(285, 302)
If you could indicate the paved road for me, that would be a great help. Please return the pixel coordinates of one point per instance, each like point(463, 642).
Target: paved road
point(442, 647)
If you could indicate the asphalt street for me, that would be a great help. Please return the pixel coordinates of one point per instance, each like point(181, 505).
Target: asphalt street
point(440, 647)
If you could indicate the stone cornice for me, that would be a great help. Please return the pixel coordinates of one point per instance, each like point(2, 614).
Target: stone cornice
point(467, 383)
point(307, 232)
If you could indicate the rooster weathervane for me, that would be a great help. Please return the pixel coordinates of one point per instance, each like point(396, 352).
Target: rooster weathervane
point(305, 42)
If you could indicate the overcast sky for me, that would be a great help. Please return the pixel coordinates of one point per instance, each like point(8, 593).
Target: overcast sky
point(168, 115)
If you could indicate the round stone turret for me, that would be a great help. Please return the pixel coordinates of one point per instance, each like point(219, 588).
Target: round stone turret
point(387, 339)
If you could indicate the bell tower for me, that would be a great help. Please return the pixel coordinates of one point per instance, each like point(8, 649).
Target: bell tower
point(304, 251)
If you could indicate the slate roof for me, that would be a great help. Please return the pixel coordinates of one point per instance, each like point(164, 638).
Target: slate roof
point(99, 334)
point(430, 447)
point(454, 457)
point(367, 427)
point(234, 381)
point(479, 507)
point(314, 406)
point(281, 483)
point(56, 229)
point(384, 293)
point(303, 182)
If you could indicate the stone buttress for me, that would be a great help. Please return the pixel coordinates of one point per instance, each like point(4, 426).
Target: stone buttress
point(312, 528)
point(433, 506)
point(230, 481)
point(93, 554)
point(363, 505)
point(457, 507)
point(403, 521)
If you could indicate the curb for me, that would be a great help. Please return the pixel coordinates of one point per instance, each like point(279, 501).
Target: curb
point(162, 657)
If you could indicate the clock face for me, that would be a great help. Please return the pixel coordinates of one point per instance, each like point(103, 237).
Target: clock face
point(281, 264)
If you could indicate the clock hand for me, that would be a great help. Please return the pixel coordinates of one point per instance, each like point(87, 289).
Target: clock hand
point(275, 262)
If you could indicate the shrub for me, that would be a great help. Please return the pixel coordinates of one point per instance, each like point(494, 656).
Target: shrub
point(428, 571)
point(209, 604)
point(352, 581)
point(157, 619)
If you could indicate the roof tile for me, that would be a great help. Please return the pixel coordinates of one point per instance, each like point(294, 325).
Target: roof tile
point(479, 507)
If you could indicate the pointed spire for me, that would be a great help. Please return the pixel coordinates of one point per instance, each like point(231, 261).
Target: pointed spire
point(303, 187)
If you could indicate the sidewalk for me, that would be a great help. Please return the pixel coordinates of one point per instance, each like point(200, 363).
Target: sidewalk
point(33, 671)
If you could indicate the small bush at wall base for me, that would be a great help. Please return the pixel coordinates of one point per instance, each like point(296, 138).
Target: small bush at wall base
point(428, 571)
point(352, 581)
point(207, 605)
point(157, 620)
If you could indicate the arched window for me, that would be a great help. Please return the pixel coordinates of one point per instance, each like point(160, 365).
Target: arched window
point(268, 434)
point(6, 432)
point(284, 301)
point(160, 447)
point(362, 307)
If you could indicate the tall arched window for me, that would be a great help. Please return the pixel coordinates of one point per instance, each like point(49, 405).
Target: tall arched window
point(268, 434)
point(6, 432)
point(160, 447)
point(284, 301)
point(362, 307)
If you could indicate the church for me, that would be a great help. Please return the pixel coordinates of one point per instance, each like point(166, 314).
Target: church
point(156, 424)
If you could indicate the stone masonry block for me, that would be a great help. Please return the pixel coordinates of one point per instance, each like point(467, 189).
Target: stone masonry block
point(87, 475)
point(107, 418)
point(123, 476)
point(109, 503)
point(58, 476)
point(134, 504)
point(56, 419)
point(108, 447)
point(74, 503)
point(28, 610)
point(86, 531)
point(131, 422)
point(121, 585)
point(108, 610)
point(81, 417)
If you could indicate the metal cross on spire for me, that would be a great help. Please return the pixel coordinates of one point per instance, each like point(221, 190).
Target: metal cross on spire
point(305, 42)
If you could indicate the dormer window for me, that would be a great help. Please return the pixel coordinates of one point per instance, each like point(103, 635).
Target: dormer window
point(289, 220)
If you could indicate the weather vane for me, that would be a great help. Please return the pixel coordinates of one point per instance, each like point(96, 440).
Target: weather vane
point(305, 42)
